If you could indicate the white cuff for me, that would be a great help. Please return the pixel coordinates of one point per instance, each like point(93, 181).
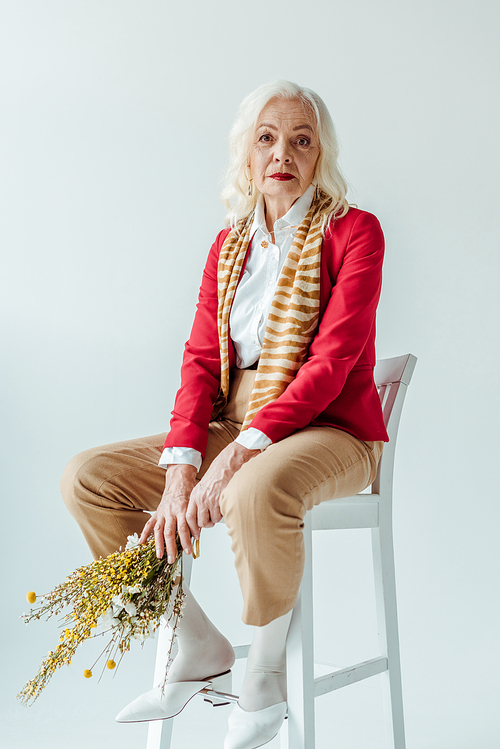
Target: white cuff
point(254, 439)
point(185, 455)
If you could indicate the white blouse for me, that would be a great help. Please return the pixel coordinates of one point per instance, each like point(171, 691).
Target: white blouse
point(251, 306)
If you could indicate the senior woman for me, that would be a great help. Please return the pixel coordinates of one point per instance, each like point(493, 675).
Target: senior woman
point(277, 409)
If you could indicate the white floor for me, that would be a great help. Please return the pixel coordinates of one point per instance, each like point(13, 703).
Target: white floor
point(450, 691)
point(345, 721)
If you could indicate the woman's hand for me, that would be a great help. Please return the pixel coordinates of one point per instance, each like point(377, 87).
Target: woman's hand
point(185, 507)
point(170, 516)
point(204, 510)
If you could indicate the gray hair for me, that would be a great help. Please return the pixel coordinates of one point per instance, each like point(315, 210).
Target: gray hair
point(327, 176)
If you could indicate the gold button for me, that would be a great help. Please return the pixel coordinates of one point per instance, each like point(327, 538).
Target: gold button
point(264, 243)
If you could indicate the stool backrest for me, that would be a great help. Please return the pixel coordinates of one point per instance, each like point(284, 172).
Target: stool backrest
point(392, 377)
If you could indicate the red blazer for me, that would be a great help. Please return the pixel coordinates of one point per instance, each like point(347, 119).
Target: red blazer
point(334, 387)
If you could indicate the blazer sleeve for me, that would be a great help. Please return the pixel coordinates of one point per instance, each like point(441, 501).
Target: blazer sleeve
point(200, 371)
point(342, 335)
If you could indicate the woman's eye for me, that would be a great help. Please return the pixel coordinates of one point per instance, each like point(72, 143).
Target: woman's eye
point(303, 141)
point(266, 138)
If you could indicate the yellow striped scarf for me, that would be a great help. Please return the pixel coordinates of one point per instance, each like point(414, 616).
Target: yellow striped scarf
point(294, 311)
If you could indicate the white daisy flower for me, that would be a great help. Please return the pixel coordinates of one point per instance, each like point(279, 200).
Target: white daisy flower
point(132, 541)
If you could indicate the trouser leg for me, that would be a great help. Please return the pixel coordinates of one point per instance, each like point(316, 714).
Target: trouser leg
point(266, 500)
point(109, 489)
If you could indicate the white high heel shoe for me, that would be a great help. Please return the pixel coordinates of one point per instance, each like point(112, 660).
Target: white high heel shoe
point(249, 730)
point(158, 705)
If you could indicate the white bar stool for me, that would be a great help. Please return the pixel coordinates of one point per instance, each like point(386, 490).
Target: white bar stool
point(374, 510)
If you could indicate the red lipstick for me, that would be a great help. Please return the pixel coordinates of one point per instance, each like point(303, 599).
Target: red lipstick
point(282, 176)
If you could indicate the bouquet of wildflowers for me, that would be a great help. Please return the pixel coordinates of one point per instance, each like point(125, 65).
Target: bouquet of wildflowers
point(119, 598)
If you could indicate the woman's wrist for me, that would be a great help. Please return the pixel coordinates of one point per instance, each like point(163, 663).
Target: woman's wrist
point(241, 455)
point(185, 470)
point(180, 480)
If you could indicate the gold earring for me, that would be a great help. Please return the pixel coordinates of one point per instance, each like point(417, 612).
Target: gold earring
point(250, 180)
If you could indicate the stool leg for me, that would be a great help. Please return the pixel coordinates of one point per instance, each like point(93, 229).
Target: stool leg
point(160, 731)
point(160, 734)
point(385, 592)
point(298, 730)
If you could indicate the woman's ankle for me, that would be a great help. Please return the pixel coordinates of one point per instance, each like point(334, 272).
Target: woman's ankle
point(261, 690)
point(199, 659)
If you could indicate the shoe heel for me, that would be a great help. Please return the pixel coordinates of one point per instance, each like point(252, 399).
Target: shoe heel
point(222, 683)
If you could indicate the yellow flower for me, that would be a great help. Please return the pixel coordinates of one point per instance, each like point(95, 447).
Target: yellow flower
point(31, 596)
point(87, 673)
point(111, 665)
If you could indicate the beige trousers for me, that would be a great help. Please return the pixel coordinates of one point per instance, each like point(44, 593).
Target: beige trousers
point(108, 489)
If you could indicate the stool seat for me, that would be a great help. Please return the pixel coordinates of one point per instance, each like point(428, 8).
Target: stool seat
point(373, 510)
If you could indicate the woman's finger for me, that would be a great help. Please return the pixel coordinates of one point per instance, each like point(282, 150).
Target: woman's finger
point(169, 534)
point(146, 531)
point(159, 543)
point(215, 513)
point(192, 518)
point(184, 535)
point(204, 520)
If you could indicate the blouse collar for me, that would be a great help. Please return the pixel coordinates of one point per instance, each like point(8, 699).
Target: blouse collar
point(293, 218)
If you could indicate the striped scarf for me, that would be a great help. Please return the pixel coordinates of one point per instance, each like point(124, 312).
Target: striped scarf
point(294, 311)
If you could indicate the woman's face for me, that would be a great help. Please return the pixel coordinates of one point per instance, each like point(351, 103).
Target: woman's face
point(284, 152)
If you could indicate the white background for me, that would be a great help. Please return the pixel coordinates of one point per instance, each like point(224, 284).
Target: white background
point(113, 127)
